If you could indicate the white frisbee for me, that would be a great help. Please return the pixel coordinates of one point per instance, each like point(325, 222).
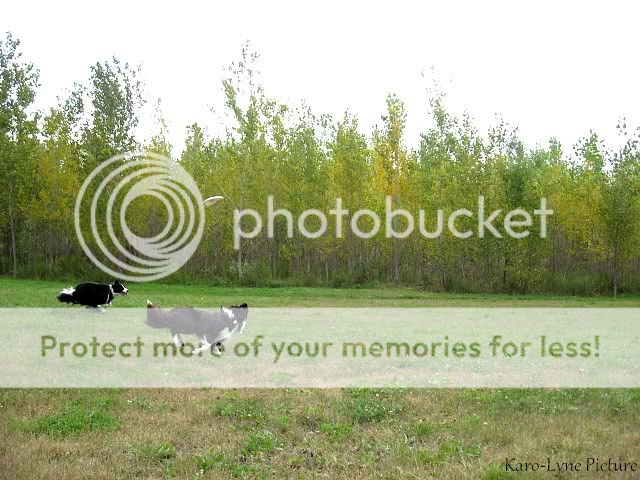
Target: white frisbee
point(211, 200)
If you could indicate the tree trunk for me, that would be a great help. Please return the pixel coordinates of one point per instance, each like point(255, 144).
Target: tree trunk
point(12, 228)
point(505, 263)
point(241, 206)
point(615, 270)
point(395, 253)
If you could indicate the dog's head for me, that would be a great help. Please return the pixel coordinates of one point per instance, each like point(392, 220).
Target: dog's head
point(240, 314)
point(240, 310)
point(118, 288)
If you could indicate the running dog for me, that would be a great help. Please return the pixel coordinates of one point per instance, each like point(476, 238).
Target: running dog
point(92, 294)
point(212, 328)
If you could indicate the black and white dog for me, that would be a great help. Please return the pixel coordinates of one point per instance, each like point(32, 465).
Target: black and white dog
point(212, 328)
point(92, 294)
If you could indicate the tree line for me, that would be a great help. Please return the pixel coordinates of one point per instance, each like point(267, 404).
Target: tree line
point(306, 160)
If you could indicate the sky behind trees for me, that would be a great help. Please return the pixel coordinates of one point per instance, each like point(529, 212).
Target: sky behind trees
point(553, 69)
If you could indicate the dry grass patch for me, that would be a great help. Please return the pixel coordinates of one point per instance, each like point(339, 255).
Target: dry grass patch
point(291, 434)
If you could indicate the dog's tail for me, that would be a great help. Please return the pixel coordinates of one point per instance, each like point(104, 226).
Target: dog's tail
point(66, 295)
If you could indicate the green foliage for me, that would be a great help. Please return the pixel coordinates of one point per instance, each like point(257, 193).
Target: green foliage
point(115, 97)
point(306, 161)
point(18, 145)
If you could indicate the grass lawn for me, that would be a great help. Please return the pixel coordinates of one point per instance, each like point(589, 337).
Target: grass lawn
point(42, 293)
point(292, 433)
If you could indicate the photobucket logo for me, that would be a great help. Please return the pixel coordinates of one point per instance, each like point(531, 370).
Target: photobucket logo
point(515, 223)
point(112, 187)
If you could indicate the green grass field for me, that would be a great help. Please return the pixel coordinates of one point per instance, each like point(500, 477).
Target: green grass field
point(300, 434)
point(41, 293)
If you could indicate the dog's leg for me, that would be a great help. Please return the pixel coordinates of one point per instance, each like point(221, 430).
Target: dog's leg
point(204, 345)
point(177, 340)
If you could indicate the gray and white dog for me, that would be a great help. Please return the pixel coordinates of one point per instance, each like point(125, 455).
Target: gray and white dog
point(212, 328)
